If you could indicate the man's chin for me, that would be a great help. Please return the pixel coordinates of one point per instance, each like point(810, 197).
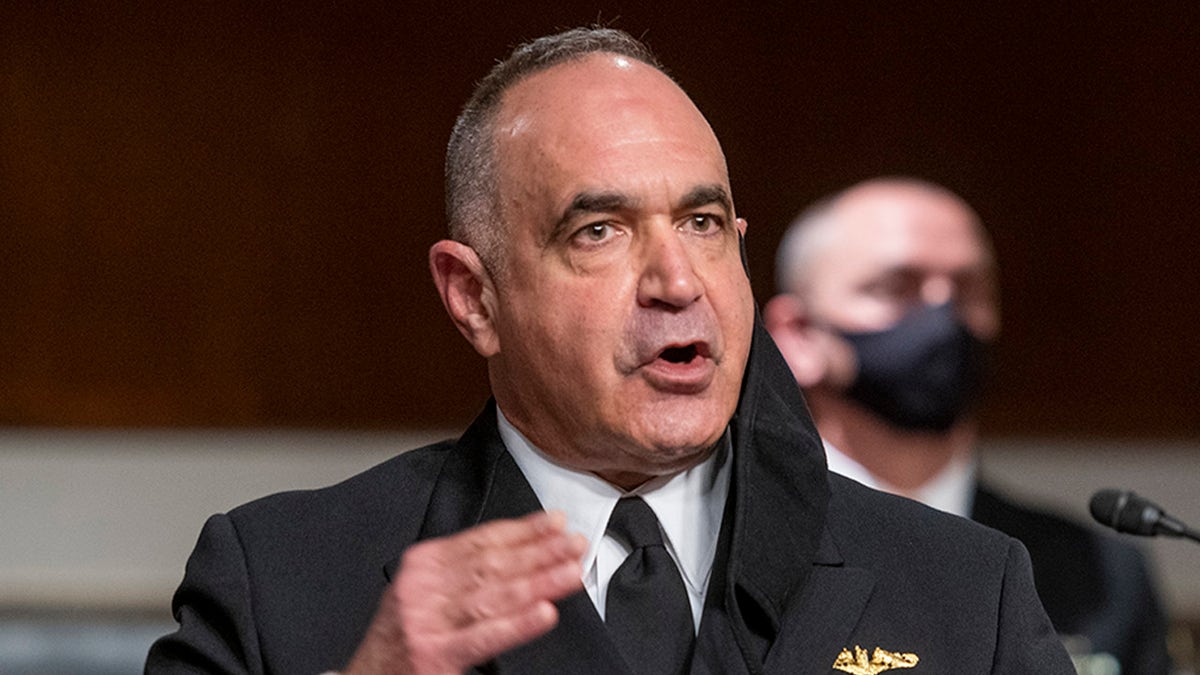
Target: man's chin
point(671, 453)
point(681, 425)
point(649, 464)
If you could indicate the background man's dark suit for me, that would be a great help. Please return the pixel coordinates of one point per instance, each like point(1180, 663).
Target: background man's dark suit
point(1092, 585)
point(809, 564)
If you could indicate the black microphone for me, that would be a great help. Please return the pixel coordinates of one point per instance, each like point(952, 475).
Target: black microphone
point(1125, 511)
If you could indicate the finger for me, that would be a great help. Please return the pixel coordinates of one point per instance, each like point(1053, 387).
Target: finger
point(482, 641)
point(534, 571)
point(499, 564)
point(516, 595)
point(437, 597)
point(499, 549)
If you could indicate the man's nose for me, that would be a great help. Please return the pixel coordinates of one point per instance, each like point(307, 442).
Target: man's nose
point(937, 291)
point(668, 276)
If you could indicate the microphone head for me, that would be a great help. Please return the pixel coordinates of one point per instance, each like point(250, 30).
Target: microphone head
point(1125, 511)
point(1104, 506)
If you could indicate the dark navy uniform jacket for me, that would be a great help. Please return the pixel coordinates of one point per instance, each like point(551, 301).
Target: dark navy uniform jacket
point(810, 566)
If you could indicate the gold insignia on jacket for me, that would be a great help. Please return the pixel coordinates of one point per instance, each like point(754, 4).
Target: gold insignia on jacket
point(880, 661)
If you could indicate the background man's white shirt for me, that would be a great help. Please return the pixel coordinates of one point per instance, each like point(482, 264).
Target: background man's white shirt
point(952, 490)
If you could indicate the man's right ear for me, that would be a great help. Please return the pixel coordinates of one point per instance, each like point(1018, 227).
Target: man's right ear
point(467, 292)
point(786, 318)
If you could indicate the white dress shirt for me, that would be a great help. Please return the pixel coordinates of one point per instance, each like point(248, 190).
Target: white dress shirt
point(688, 505)
point(952, 490)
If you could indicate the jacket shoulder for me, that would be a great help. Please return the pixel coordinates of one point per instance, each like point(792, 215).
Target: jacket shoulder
point(868, 520)
point(386, 495)
point(270, 574)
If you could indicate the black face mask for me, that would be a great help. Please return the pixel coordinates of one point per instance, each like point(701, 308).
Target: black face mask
point(923, 373)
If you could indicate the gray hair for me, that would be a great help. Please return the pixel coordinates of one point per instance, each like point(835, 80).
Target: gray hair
point(472, 199)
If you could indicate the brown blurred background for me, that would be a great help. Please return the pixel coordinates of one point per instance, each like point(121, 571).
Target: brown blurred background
point(217, 214)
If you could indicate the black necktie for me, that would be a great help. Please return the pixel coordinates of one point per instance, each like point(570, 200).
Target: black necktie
point(646, 607)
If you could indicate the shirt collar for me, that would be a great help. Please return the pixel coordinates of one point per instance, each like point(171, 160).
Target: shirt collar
point(689, 505)
point(951, 490)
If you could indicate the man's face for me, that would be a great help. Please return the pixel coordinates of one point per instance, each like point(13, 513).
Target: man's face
point(623, 315)
point(891, 248)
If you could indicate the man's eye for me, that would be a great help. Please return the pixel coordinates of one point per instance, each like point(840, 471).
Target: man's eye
point(897, 288)
point(703, 222)
point(598, 232)
point(595, 232)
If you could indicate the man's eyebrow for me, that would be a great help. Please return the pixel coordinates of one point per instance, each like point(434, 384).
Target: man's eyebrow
point(599, 202)
point(703, 195)
point(592, 202)
point(609, 202)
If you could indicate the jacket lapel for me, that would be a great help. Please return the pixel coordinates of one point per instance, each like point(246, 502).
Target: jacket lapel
point(819, 622)
point(578, 644)
point(460, 491)
point(478, 482)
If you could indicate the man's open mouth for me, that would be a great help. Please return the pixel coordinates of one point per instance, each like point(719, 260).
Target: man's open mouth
point(683, 354)
point(682, 368)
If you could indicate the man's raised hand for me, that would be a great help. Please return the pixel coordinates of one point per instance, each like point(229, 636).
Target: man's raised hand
point(461, 600)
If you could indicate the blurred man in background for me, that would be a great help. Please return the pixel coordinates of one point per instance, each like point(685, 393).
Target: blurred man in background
point(887, 306)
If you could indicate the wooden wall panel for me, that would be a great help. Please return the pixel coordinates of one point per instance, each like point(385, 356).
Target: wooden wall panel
point(218, 215)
